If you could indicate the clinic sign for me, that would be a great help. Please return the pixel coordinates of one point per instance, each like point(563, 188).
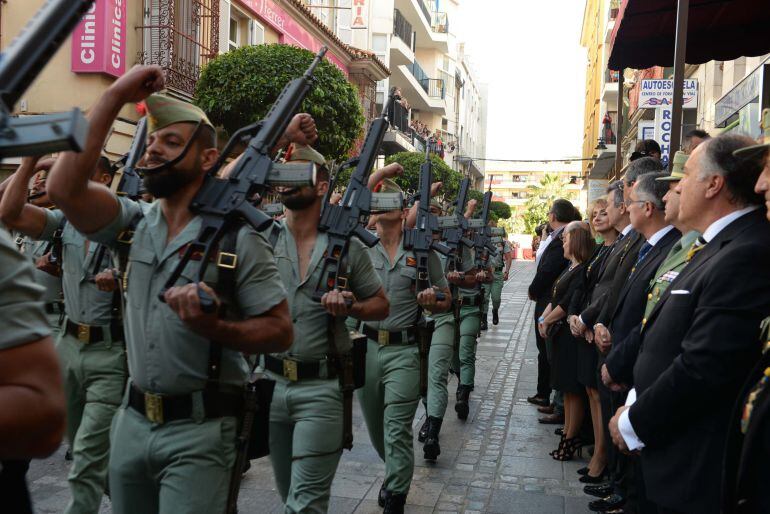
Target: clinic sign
point(99, 41)
point(659, 94)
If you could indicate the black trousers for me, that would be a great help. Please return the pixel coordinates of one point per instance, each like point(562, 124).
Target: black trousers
point(543, 366)
point(14, 497)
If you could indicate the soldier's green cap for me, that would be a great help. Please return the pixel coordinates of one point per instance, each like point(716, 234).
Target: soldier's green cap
point(305, 153)
point(677, 169)
point(163, 110)
point(389, 186)
point(756, 150)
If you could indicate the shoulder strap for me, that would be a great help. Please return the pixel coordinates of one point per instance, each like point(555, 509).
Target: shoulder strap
point(227, 260)
point(124, 241)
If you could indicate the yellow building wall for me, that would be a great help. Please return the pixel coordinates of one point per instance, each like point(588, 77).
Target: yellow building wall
point(592, 40)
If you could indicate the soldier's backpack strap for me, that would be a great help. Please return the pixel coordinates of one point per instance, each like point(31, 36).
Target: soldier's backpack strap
point(124, 241)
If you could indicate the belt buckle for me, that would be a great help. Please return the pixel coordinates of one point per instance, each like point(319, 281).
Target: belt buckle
point(84, 333)
point(290, 369)
point(383, 337)
point(227, 260)
point(153, 407)
point(126, 237)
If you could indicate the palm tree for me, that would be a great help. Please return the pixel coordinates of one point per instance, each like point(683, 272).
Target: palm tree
point(541, 196)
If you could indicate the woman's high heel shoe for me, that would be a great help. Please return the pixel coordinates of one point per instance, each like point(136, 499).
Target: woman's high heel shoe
point(559, 448)
point(583, 471)
point(567, 449)
point(588, 479)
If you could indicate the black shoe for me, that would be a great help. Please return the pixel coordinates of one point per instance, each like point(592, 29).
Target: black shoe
point(394, 504)
point(68, 454)
point(588, 479)
point(423, 431)
point(539, 400)
point(611, 502)
point(461, 406)
point(560, 431)
point(600, 491)
point(484, 324)
point(582, 471)
point(431, 448)
point(495, 317)
point(383, 496)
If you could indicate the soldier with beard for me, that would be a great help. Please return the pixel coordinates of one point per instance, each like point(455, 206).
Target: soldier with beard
point(173, 439)
point(90, 346)
point(306, 418)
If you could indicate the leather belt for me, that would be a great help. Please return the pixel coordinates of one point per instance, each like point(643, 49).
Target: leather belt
point(296, 370)
point(386, 337)
point(91, 334)
point(469, 301)
point(159, 408)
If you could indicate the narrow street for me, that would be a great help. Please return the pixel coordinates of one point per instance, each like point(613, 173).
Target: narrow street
point(496, 462)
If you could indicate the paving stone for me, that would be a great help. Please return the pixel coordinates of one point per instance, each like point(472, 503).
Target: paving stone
point(523, 502)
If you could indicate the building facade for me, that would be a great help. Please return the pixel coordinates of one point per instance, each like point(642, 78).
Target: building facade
point(181, 36)
point(440, 95)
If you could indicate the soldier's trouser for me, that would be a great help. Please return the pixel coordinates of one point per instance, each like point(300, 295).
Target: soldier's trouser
point(179, 467)
point(465, 355)
point(389, 402)
point(94, 379)
point(305, 441)
point(440, 357)
point(494, 292)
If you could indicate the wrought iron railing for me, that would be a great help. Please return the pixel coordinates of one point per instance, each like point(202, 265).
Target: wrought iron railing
point(435, 88)
point(180, 36)
point(399, 118)
point(403, 29)
point(439, 22)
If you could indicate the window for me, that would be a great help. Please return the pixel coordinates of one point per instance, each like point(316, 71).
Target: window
point(243, 30)
point(233, 39)
point(380, 49)
point(344, 14)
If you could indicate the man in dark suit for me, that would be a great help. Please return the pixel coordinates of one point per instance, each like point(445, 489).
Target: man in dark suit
point(746, 473)
point(549, 267)
point(618, 320)
point(699, 342)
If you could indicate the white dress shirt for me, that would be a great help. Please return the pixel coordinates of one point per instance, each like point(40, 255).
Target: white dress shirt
point(624, 423)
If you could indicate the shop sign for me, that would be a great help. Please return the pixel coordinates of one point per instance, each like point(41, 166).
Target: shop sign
point(99, 41)
point(659, 94)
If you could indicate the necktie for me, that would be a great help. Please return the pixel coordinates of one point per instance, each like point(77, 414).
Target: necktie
point(696, 247)
point(643, 251)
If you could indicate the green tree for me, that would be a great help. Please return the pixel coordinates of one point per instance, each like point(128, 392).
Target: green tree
point(541, 196)
point(239, 87)
point(497, 210)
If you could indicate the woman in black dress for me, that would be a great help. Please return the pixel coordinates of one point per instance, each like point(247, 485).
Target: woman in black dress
point(587, 358)
point(578, 247)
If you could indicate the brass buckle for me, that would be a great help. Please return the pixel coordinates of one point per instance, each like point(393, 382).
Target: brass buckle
point(227, 260)
point(126, 237)
point(84, 333)
point(153, 407)
point(383, 337)
point(342, 282)
point(290, 370)
point(423, 275)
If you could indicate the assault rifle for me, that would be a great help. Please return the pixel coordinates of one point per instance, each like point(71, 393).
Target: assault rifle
point(347, 219)
point(455, 227)
point(223, 203)
point(420, 238)
point(20, 64)
point(482, 234)
point(130, 184)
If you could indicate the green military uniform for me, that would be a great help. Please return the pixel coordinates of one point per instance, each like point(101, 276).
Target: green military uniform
point(389, 398)
point(21, 302)
point(469, 320)
point(93, 360)
point(306, 417)
point(494, 291)
point(669, 270)
point(53, 299)
point(179, 460)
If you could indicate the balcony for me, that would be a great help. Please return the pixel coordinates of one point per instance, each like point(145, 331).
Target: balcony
point(180, 36)
point(402, 41)
point(431, 28)
point(610, 89)
point(433, 87)
point(424, 93)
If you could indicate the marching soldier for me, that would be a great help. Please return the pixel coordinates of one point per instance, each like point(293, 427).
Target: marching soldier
point(90, 346)
point(173, 438)
point(501, 265)
point(390, 396)
point(306, 418)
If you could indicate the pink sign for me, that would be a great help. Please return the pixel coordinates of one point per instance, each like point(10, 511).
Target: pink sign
point(99, 41)
point(290, 31)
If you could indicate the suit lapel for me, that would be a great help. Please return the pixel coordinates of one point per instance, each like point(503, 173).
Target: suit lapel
point(727, 234)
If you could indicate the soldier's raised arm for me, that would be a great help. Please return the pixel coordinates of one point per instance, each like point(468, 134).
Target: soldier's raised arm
point(90, 206)
point(15, 212)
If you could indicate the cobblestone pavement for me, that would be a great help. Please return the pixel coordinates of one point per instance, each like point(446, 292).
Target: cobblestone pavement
point(497, 461)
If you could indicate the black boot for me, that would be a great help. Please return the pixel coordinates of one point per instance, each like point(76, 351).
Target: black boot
point(461, 406)
point(431, 447)
point(423, 433)
point(495, 317)
point(394, 504)
point(484, 323)
point(383, 496)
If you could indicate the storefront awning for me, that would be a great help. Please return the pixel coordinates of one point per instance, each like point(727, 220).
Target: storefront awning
point(720, 30)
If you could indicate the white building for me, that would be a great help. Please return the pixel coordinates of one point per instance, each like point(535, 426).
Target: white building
point(414, 38)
